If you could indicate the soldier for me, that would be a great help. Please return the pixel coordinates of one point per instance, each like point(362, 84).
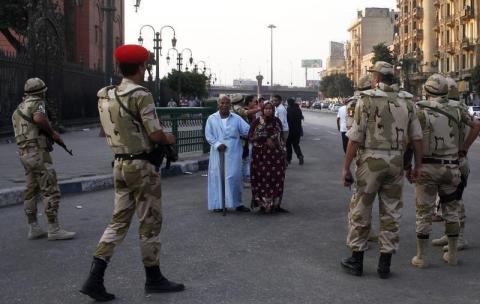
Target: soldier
point(443, 122)
point(454, 97)
point(127, 114)
point(33, 134)
point(364, 83)
point(384, 122)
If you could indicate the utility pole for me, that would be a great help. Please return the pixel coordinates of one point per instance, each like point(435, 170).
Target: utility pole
point(109, 9)
point(271, 27)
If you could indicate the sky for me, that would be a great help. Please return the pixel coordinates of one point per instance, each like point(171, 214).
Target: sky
point(233, 39)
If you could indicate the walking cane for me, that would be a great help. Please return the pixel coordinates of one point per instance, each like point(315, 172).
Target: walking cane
point(222, 176)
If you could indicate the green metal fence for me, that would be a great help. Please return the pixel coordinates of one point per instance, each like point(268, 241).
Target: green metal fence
point(188, 126)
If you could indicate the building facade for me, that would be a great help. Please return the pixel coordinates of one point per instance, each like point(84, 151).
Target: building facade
point(336, 60)
point(372, 26)
point(438, 36)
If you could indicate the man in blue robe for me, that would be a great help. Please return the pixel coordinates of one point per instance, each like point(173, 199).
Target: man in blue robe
point(223, 132)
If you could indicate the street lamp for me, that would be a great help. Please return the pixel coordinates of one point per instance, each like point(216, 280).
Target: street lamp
point(157, 47)
point(180, 57)
point(195, 69)
point(271, 27)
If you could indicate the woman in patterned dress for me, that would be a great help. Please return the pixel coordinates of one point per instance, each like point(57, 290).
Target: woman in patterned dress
point(268, 161)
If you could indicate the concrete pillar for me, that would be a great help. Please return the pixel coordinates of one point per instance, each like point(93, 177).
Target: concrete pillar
point(429, 44)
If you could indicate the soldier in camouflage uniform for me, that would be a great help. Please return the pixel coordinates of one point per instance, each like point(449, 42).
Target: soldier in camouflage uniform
point(131, 126)
point(443, 123)
point(454, 97)
point(384, 122)
point(32, 127)
point(364, 83)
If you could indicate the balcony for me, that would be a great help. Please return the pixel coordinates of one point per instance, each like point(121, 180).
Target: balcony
point(437, 54)
point(418, 34)
point(436, 3)
point(418, 54)
point(449, 48)
point(467, 44)
point(467, 13)
point(436, 26)
point(450, 21)
point(418, 12)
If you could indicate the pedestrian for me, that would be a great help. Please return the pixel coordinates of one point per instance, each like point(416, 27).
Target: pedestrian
point(172, 103)
point(342, 125)
point(384, 122)
point(295, 130)
point(268, 161)
point(454, 96)
point(128, 116)
point(223, 131)
point(33, 134)
point(443, 123)
point(281, 113)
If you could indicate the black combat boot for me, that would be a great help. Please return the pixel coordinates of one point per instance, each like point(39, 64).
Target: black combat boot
point(383, 269)
point(93, 287)
point(354, 264)
point(157, 283)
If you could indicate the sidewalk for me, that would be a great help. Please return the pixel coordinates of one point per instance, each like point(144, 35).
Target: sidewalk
point(88, 170)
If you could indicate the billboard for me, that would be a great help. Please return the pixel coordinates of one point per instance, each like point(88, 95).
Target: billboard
point(337, 49)
point(312, 63)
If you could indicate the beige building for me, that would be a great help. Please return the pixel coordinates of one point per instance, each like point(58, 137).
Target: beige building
point(336, 60)
point(372, 26)
point(438, 36)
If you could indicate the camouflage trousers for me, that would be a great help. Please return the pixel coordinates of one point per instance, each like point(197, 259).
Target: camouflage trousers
point(441, 180)
point(464, 168)
point(378, 172)
point(137, 190)
point(41, 179)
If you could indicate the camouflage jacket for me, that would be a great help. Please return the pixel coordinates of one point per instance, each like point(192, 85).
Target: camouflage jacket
point(125, 134)
point(443, 133)
point(385, 119)
point(26, 132)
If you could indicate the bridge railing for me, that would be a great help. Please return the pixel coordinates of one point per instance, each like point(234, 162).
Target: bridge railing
point(188, 126)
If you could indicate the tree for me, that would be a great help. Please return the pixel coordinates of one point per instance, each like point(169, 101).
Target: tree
point(382, 53)
point(336, 85)
point(188, 84)
point(475, 80)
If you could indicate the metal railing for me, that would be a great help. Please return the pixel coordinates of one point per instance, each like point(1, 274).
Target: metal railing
point(188, 126)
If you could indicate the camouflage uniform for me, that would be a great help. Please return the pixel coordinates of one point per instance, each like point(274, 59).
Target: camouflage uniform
point(364, 83)
point(384, 121)
point(36, 160)
point(137, 182)
point(440, 173)
point(35, 157)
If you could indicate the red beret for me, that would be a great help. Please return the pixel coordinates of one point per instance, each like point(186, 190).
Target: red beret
point(131, 53)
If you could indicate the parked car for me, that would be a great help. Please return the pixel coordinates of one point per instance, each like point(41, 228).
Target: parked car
point(474, 111)
point(317, 105)
point(336, 107)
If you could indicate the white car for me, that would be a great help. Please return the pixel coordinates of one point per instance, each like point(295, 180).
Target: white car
point(474, 111)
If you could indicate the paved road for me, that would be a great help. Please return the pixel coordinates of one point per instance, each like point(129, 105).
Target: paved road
point(241, 258)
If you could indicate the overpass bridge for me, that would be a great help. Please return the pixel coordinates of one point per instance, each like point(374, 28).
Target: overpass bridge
point(267, 91)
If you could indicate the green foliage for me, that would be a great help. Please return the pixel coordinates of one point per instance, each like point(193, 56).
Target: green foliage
point(475, 80)
point(382, 53)
point(336, 85)
point(188, 84)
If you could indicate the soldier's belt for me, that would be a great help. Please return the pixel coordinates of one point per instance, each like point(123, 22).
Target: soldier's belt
point(428, 160)
point(142, 156)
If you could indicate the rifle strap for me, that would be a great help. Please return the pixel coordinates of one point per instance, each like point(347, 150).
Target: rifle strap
point(440, 111)
point(29, 119)
point(117, 98)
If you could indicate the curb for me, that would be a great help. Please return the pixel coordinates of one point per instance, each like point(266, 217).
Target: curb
point(14, 196)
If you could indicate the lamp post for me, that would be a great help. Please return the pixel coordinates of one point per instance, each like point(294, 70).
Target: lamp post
point(271, 27)
point(157, 47)
point(195, 69)
point(180, 64)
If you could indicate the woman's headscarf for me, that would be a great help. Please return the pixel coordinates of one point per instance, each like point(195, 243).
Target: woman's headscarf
point(263, 110)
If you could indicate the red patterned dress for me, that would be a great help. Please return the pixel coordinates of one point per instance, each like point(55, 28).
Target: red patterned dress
point(268, 164)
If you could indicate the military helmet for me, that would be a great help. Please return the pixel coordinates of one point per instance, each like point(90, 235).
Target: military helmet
point(436, 85)
point(382, 67)
point(365, 82)
point(453, 92)
point(34, 86)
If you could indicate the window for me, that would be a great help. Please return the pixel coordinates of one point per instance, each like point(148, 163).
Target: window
point(464, 61)
point(447, 67)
